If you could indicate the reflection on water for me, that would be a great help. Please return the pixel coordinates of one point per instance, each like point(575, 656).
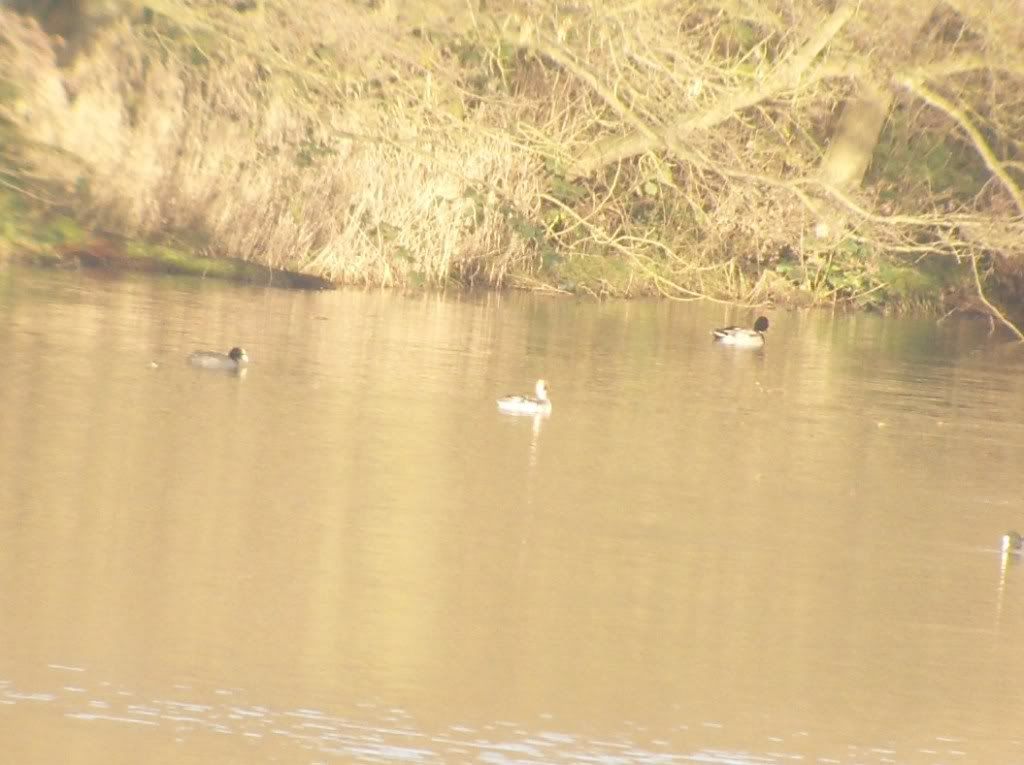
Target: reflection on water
point(703, 555)
point(376, 734)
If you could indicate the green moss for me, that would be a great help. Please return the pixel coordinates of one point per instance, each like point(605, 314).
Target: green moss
point(32, 235)
point(169, 259)
point(590, 273)
point(60, 229)
point(8, 230)
point(172, 260)
point(907, 283)
point(871, 279)
point(924, 282)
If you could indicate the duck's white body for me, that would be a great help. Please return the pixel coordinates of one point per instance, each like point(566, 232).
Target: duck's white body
point(538, 404)
point(741, 337)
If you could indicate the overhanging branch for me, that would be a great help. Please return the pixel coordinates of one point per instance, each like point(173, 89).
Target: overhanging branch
point(958, 115)
point(785, 77)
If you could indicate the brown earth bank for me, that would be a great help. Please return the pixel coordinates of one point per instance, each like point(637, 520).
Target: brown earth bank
point(867, 154)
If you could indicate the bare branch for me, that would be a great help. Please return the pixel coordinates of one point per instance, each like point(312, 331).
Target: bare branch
point(561, 57)
point(786, 76)
point(939, 101)
point(992, 309)
point(962, 64)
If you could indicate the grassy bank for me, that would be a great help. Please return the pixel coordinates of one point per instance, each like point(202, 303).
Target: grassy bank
point(429, 144)
point(34, 234)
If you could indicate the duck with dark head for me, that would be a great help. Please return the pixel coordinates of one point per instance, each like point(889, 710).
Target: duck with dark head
point(741, 337)
point(233, 360)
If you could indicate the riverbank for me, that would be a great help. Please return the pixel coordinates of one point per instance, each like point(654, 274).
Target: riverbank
point(54, 239)
point(531, 150)
point(37, 234)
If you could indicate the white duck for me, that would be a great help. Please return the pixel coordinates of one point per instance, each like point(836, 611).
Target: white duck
point(539, 404)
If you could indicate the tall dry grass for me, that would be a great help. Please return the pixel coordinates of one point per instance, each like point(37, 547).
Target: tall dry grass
point(199, 135)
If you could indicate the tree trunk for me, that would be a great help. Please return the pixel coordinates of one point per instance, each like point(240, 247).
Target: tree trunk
point(853, 143)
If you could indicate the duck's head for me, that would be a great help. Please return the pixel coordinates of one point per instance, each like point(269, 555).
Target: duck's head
point(238, 355)
point(542, 390)
point(761, 325)
point(1012, 542)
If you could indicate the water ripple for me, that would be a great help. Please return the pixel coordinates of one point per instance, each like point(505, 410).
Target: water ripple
point(390, 735)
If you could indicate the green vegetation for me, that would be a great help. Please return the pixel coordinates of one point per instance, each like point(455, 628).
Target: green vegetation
point(58, 240)
point(805, 155)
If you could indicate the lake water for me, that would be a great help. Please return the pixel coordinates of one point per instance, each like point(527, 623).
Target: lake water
point(349, 555)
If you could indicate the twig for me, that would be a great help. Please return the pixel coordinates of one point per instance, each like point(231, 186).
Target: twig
point(785, 76)
point(916, 85)
point(995, 312)
point(20, 190)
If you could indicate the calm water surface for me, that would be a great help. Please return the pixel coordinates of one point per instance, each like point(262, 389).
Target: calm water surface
point(348, 555)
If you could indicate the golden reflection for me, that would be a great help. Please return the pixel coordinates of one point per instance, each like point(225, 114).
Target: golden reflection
point(538, 421)
point(707, 536)
point(1009, 556)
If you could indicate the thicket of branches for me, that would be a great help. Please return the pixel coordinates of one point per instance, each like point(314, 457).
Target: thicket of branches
point(779, 149)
